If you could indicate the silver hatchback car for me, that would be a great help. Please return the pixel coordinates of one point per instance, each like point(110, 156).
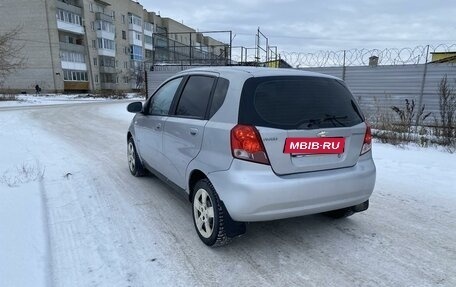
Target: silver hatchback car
point(254, 144)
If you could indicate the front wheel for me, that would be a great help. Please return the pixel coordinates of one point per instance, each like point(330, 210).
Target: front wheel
point(134, 163)
point(209, 214)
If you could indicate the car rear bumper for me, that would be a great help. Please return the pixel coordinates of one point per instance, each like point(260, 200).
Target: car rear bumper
point(253, 192)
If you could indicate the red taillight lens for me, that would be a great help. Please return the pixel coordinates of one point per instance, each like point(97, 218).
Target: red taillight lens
point(367, 144)
point(246, 144)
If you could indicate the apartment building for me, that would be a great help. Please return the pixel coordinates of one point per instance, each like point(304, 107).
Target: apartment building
point(90, 45)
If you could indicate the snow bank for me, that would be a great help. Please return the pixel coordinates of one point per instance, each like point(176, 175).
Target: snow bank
point(23, 236)
point(56, 99)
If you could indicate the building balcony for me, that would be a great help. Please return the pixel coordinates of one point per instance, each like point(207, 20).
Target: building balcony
point(134, 27)
point(70, 6)
point(72, 47)
point(70, 27)
point(108, 70)
point(75, 86)
point(74, 66)
point(106, 35)
point(104, 17)
point(106, 52)
point(132, 39)
point(148, 46)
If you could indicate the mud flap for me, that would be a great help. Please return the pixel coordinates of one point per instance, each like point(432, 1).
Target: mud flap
point(233, 228)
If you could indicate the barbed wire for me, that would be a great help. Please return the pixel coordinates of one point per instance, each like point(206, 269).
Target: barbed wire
point(360, 57)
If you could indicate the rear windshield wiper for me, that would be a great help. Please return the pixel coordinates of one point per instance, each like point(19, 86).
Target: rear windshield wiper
point(335, 119)
point(308, 123)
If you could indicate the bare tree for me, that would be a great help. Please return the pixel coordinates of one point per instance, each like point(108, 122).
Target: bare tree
point(11, 57)
point(447, 105)
point(137, 75)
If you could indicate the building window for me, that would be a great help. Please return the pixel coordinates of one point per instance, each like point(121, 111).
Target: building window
point(105, 26)
point(99, 8)
point(124, 35)
point(94, 44)
point(73, 57)
point(126, 65)
point(95, 61)
point(136, 53)
point(135, 20)
point(92, 26)
point(148, 26)
point(138, 36)
point(148, 39)
point(107, 78)
point(69, 17)
point(96, 78)
point(113, 15)
point(106, 61)
point(76, 76)
point(126, 50)
point(91, 7)
point(106, 44)
point(148, 54)
point(123, 19)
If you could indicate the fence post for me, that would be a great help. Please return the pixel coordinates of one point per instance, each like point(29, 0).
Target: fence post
point(146, 82)
point(423, 81)
point(343, 68)
point(191, 54)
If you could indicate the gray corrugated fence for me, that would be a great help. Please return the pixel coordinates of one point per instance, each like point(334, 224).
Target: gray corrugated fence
point(380, 87)
point(376, 88)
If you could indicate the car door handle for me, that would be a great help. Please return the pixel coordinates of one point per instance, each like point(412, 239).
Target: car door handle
point(193, 131)
point(158, 126)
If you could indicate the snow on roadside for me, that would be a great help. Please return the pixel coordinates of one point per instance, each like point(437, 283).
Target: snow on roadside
point(430, 172)
point(24, 244)
point(57, 99)
point(24, 259)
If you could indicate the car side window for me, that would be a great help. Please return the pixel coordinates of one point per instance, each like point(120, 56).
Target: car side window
point(161, 101)
point(219, 95)
point(195, 97)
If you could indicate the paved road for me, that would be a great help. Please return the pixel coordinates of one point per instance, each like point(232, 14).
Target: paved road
point(108, 228)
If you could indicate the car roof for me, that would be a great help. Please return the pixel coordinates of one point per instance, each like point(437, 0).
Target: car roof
point(257, 71)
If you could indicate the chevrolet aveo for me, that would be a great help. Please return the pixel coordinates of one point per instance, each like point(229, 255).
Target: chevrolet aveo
point(254, 144)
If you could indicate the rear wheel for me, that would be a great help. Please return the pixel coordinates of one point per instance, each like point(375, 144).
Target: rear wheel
point(208, 214)
point(134, 163)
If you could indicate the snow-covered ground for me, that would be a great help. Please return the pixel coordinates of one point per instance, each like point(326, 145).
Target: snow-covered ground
point(57, 99)
point(88, 222)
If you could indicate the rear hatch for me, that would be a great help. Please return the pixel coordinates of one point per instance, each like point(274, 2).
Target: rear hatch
point(303, 109)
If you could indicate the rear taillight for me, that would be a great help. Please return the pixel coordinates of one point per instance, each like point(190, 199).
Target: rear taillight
point(246, 144)
point(367, 144)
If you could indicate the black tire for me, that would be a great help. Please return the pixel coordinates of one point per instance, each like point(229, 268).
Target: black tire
point(134, 163)
point(218, 236)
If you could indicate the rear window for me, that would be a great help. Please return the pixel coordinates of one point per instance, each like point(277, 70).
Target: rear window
point(297, 103)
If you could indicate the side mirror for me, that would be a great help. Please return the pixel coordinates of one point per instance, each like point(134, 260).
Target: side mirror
point(135, 107)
